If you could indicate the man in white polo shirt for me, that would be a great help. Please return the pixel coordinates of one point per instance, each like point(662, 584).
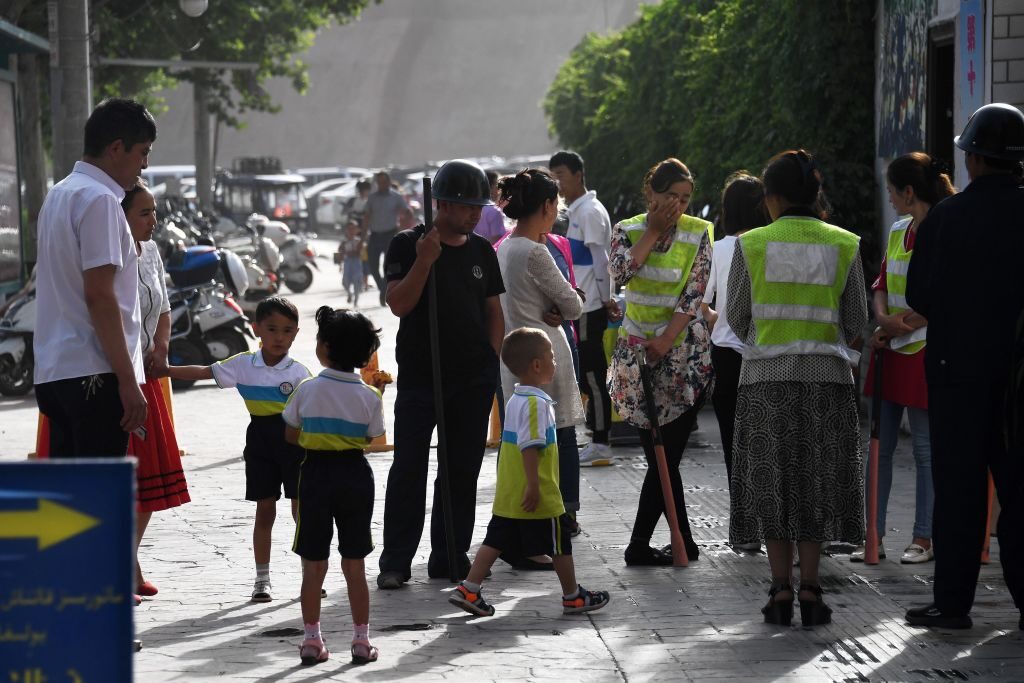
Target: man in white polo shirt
point(88, 359)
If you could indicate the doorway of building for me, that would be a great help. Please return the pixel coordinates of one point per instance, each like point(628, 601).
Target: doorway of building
point(941, 92)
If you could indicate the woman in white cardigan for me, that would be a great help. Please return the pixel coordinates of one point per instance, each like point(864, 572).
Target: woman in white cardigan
point(534, 290)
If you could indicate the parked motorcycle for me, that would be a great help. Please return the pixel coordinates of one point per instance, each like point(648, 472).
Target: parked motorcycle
point(16, 360)
point(297, 255)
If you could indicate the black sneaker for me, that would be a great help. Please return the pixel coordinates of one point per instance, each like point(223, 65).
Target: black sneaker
point(391, 580)
point(932, 617)
point(473, 603)
point(585, 601)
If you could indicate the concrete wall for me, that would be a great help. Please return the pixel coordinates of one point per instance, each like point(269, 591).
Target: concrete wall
point(411, 81)
point(1008, 52)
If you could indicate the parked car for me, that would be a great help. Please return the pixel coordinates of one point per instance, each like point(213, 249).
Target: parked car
point(321, 173)
point(321, 207)
point(331, 206)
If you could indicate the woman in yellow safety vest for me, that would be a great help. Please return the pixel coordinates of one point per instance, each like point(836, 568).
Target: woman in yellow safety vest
point(663, 259)
point(797, 300)
point(916, 182)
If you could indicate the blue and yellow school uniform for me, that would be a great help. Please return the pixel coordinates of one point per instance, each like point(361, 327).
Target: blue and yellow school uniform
point(338, 415)
point(270, 461)
point(529, 423)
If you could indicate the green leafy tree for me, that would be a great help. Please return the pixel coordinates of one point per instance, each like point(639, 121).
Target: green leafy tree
point(723, 86)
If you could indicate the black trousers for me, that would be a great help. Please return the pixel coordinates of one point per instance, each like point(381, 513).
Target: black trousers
point(594, 372)
point(967, 441)
point(652, 503)
point(376, 247)
point(85, 417)
point(466, 416)
point(727, 364)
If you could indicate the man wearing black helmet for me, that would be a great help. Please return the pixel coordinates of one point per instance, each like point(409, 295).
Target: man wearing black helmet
point(471, 328)
point(973, 347)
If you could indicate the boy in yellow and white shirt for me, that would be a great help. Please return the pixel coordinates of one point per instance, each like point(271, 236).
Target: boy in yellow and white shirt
point(333, 417)
point(528, 514)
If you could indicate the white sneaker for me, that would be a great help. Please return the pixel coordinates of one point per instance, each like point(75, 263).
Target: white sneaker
point(596, 455)
point(261, 591)
point(858, 554)
point(915, 554)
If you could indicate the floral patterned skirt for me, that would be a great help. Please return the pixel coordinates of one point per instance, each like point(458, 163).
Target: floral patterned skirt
point(797, 470)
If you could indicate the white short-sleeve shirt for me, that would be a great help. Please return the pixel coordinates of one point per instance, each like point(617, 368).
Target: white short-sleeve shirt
point(82, 226)
point(718, 287)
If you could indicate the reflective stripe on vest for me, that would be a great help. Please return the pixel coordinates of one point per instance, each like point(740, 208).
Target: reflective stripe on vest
point(655, 289)
point(897, 263)
point(798, 271)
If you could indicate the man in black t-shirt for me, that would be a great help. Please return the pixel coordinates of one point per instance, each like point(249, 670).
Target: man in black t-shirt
point(471, 327)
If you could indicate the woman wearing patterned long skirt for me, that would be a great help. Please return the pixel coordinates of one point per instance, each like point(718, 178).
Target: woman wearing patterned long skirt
point(160, 477)
point(797, 300)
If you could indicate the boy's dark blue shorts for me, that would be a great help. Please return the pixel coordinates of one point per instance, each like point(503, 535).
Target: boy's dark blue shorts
point(270, 461)
point(528, 537)
point(335, 490)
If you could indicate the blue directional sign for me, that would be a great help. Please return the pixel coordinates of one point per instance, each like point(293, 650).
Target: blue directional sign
point(66, 567)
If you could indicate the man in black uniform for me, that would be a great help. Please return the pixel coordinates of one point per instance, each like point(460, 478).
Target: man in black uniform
point(471, 328)
point(965, 277)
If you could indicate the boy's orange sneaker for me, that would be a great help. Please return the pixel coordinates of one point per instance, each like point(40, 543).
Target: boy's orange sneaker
point(471, 602)
point(585, 601)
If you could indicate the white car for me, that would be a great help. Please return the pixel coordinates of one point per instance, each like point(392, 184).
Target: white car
point(330, 205)
point(324, 213)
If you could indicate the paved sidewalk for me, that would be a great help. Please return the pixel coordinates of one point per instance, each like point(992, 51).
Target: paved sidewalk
point(698, 623)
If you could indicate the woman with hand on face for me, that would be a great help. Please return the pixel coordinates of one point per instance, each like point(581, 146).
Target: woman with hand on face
point(537, 295)
point(160, 477)
point(663, 259)
point(916, 182)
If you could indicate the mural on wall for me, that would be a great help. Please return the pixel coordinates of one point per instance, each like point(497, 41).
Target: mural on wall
point(904, 73)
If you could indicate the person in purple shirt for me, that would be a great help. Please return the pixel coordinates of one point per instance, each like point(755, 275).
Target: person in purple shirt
point(492, 222)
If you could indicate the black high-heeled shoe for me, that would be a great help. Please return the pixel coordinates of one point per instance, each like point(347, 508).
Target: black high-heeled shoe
point(778, 612)
point(815, 613)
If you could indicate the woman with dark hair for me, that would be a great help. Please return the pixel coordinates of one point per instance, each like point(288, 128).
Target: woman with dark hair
point(161, 479)
point(796, 300)
point(662, 258)
point(915, 182)
point(534, 289)
point(743, 209)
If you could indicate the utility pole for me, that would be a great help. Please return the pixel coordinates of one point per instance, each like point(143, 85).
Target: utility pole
point(203, 152)
point(70, 80)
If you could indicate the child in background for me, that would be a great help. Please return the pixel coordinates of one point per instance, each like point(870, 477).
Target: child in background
point(528, 512)
point(333, 417)
point(265, 379)
point(351, 249)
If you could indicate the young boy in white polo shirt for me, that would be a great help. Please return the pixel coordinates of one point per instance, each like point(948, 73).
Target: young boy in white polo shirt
point(528, 514)
point(333, 417)
point(265, 379)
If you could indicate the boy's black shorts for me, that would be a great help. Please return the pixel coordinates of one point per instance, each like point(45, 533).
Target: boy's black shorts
point(335, 489)
point(528, 537)
point(270, 461)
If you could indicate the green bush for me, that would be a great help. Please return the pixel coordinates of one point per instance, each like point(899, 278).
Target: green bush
point(723, 86)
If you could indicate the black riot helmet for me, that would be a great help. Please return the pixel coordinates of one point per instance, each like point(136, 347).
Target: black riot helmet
point(462, 182)
point(996, 130)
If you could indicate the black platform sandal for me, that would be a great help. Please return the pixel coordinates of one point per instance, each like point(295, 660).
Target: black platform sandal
point(778, 612)
point(815, 613)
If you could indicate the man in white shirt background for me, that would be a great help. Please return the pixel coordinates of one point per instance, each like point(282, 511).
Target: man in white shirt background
point(88, 357)
point(590, 237)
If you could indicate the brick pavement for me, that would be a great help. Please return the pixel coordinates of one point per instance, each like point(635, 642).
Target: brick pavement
point(698, 623)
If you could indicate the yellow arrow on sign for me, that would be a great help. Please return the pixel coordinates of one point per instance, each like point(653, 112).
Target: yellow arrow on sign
point(51, 523)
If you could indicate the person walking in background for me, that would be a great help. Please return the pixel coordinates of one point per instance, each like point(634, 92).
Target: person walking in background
point(159, 474)
point(470, 329)
point(88, 355)
point(534, 287)
point(350, 249)
point(915, 183)
point(383, 209)
point(663, 259)
point(968, 385)
point(796, 300)
point(743, 209)
point(590, 234)
point(492, 223)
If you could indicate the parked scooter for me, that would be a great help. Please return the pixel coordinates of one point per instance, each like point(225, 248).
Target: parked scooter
point(16, 359)
point(207, 324)
point(297, 255)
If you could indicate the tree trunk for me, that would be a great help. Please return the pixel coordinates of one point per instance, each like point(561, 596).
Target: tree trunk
point(30, 140)
point(70, 83)
point(204, 155)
